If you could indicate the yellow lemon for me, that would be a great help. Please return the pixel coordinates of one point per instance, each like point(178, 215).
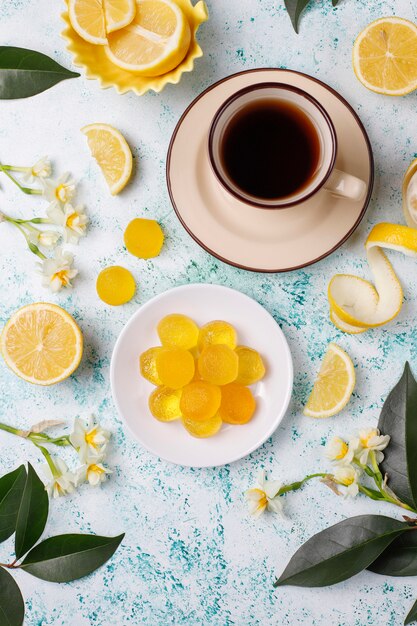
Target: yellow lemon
point(93, 19)
point(115, 285)
point(42, 344)
point(334, 384)
point(118, 13)
point(385, 56)
point(112, 153)
point(155, 42)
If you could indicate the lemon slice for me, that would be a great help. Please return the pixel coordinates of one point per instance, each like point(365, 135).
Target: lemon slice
point(118, 14)
point(410, 195)
point(385, 56)
point(87, 19)
point(356, 304)
point(155, 42)
point(334, 384)
point(112, 153)
point(42, 344)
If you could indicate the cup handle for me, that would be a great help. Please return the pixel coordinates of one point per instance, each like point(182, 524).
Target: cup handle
point(344, 185)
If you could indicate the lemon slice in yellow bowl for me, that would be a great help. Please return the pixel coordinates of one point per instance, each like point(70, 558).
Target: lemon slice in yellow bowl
point(385, 56)
point(155, 42)
point(98, 65)
point(42, 344)
point(118, 13)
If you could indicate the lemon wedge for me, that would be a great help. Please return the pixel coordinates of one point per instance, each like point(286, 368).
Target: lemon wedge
point(93, 19)
point(334, 384)
point(155, 42)
point(385, 56)
point(112, 153)
point(410, 195)
point(356, 304)
point(42, 344)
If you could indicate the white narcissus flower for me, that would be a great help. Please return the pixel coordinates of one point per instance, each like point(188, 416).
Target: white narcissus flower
point(72, 219)
point(340, 451)
point(62, 189)
point(41, 169)
point(89, 439)
point(61, 480)
point(264, 497)
point(371, 440)
point(93, 471)
point(58, 271)
point(44, 238)
point(348, 476)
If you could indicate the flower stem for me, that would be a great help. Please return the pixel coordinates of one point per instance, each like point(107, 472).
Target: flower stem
point(26, 190)
point(32, 247)
point(299, 483)
point(12, 430)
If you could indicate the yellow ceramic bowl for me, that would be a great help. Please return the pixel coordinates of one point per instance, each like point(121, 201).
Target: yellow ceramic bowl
point(96, 64)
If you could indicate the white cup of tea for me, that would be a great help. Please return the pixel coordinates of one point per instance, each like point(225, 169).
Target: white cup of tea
point(273, 146)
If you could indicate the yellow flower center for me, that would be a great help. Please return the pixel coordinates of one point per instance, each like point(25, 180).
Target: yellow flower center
point(90, 438)
point(71, 219)
point(62, 275)
point(365, 438)
point(95, 468)
point(343, 450)
point(347, 480)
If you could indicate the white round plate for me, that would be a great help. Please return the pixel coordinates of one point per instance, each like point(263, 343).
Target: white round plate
point(255, 327)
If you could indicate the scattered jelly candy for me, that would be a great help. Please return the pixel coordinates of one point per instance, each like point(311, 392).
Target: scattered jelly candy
point(217, 332)
point(251, 367)
point(175, 367)
point(218, 364)
point(205, 428)
point(144, 238)
point(115, 285)
point(237, 405)
point(178, 330)
point(164, 404)
point(147, 363)
point(200, 401)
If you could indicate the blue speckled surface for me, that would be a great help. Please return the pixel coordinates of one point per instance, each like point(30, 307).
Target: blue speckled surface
point(191, 554)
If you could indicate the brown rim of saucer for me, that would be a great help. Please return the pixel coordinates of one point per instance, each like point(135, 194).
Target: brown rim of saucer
point(253, 201)
point(322, 256)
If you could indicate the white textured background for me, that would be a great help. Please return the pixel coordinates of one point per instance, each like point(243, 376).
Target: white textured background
point(191, 553)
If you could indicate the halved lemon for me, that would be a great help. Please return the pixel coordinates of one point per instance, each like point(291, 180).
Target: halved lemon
point(385, 56)
point(118, 13)
point(87, 19)
point(334, 384)
point(410, 195)
point(42, 344)
point(155, 42)
point(112, 153)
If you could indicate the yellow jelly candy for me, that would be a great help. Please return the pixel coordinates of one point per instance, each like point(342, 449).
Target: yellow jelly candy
point(144, 238)
point(164, 404)
point(115, 285)
point(218, 364)
point(238, 404)
point(206, 428)
point(217, 332)
point(178, 330)
point(251, 367)
point(200, 401)
point(147, 363)
point(175, 367)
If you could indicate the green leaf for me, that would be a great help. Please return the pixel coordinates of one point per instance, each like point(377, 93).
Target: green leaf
point(32, 515)
point(68, 557)
point(11, 489)
point(12, 607)
point(295, 8)
point(399, 420)
point(24, 73)
point(400, 558)
point(341, 551)
point(335, 2)
point(412, 616)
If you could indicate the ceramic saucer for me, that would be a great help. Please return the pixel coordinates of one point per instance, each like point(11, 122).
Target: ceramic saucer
point(255, 328)
point(251, 238)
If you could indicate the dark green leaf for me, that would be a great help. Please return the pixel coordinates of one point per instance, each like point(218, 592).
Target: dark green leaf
point(295, 8)
point(68, 557)
point(412, 616)
point(24, 73)
point(12, 608)
point(341, 551)
point(335, 2)
point(32, 515)
point(400, 558)
point(11, 489)
point(399, 420)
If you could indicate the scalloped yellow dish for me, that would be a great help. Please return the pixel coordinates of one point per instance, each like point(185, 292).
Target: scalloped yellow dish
point(97, 65)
